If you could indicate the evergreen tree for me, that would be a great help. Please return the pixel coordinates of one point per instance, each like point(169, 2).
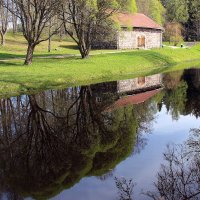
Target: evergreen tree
point(153, 9)
point(177, 10)
point(156, 11)
point(129, 6)
point(132, 6)
point(193, 24)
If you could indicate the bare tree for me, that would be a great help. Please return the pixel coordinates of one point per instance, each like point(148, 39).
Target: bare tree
point(179, 177)
point(14, 18)
point(86, 18)
point(4, 19)
point(49, 41)
point(194, 141)
point(125, 188)
point(34, 16)
point(173, 32)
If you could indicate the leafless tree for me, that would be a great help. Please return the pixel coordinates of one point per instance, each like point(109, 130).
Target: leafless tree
point(14, 17)
point(125, 188)
point(179, 178)
point(86, 20)
point(194, 141)
point(34, 16)
point(4, 20)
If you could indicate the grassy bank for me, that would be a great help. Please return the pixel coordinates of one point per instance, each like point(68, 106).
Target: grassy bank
point(48, 73)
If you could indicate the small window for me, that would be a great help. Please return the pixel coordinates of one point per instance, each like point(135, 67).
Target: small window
point(141, 81)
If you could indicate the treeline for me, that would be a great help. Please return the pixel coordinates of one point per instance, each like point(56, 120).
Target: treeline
point(186, 15)
point(181, 18)
point(84, 20)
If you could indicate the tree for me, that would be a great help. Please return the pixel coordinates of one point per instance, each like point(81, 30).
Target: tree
point(179, 177)
point(157, 11)
point(87, 18)
point(4, 20)
point(187, 13)
point(153, 9)
point(177, 10)
point(14, 18)
point(34, 16)
point(193, 24)
point(131, 6)
point(173, 32)
point(125, 188)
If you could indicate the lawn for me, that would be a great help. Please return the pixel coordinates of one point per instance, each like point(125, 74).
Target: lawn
point(62, 72)
point(16, 47)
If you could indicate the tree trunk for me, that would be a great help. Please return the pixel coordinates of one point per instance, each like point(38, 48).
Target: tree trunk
point(29, 55)
point(14, 19)
point(49, 45)
point(49, 41)
point(84, 52)
point(14, 26)
point(84, 55)
point(3, 39)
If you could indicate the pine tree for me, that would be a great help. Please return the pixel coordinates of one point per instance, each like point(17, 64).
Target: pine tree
point(177, 11)
point(130, 6)
point(156, 11)
point(133, 6)
point(153, 9)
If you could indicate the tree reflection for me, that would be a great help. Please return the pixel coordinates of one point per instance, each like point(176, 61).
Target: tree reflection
point(181, 93)
point(50, 141)
point(125, 188)
point(175, 95)
point(179, 177)
point(193, 142)
point(192, 76)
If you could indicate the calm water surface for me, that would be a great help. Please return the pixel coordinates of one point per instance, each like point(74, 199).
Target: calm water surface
point(129, 139)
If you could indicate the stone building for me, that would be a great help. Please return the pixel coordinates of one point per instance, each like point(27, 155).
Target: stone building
point(137, 31)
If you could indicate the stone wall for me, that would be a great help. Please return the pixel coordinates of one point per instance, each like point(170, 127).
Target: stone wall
point(137, 84)
point(104, 44)
point(129, 39)
point(107, 42)
point(126, 39)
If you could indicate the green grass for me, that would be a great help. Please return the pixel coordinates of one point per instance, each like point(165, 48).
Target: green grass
point(58, 73)
point(16, 47)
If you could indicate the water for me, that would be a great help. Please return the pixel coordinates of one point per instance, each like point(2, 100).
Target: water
point(104, 141)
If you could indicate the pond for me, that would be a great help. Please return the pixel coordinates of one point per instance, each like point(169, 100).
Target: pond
point(127, 139)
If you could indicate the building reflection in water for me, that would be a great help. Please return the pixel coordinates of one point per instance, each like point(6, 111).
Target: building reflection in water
point(131, 91)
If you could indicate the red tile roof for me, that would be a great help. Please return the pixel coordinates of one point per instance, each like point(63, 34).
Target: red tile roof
point(137, 20)
point(133, 99)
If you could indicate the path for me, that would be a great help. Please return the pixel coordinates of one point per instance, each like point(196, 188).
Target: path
point(186, 45)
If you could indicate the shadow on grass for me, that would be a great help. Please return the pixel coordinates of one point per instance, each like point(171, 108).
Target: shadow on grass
point(11, 64)
point(5, 56)
point(75, 47)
